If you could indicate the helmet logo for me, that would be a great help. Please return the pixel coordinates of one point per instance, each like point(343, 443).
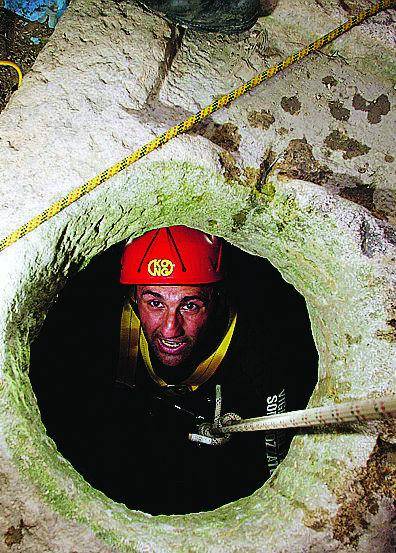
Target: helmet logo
point(160, 267)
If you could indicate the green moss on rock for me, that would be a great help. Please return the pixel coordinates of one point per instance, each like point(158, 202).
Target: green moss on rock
point(305, 243)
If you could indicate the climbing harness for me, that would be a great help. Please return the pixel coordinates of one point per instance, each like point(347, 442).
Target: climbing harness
point(383, 407)
point(184, 126)
point(132, 340)
point(14, 66)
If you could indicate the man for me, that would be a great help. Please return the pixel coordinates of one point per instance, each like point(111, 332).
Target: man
point(180, 337)
point(180, 309)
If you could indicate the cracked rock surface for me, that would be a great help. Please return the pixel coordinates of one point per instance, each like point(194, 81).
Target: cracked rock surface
point(300, 171)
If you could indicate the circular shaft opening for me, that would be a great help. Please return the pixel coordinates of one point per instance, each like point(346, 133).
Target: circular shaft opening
point(130, 440)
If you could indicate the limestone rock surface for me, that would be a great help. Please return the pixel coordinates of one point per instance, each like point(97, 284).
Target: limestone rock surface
point(300, 171)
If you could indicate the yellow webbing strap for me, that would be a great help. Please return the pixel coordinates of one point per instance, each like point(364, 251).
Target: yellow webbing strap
point(184, 126)
point(14, 66)
point(129, 345)
point(131, 338)
point(208, 367)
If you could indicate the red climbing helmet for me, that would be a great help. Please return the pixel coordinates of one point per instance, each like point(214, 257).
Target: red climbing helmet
point(172, 255)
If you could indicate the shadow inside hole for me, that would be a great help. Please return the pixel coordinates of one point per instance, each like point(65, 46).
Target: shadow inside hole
point(136, 450)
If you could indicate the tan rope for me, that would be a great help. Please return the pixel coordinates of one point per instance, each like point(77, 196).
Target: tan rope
point(219, 432)
point(353, 411)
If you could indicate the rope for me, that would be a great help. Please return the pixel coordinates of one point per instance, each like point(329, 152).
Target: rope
point(212, 433)
point(14, 66)
point(354, 411)
point(217, 405)
point(184, 126)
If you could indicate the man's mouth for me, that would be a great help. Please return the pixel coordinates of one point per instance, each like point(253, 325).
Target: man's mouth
point(171, 346)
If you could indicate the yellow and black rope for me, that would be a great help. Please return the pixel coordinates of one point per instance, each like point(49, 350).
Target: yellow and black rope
point(190, 122)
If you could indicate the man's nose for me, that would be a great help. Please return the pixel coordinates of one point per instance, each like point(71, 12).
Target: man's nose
point(172, 325)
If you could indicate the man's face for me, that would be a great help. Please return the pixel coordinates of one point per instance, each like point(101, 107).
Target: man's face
point(173, 319)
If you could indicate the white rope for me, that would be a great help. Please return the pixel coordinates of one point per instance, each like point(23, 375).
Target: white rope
point(212, 433)
point(353, 411)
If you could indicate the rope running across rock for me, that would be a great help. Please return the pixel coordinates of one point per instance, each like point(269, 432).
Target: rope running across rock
point(184, 126)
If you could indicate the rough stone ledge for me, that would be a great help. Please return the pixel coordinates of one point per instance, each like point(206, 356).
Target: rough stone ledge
point(331, 493)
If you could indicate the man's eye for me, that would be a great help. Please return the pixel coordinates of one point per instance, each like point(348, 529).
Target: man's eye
point(190, 306)
point(155, 303)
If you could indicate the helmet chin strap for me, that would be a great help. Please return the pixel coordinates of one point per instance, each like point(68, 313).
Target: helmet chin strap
point(132, 340)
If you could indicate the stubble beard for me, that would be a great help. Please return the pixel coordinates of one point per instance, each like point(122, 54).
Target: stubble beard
point(171, 360)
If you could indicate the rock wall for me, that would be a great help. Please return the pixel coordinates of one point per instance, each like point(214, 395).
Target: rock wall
point(300, 171)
